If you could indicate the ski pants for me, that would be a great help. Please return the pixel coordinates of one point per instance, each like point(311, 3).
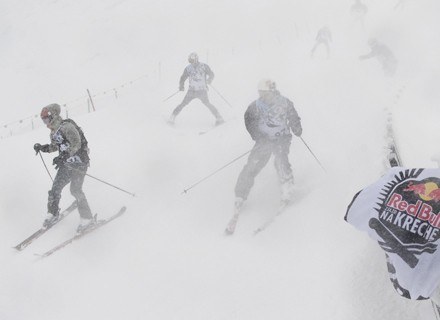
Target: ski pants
point(199, 94)
point(74, 174)
point(257, 160)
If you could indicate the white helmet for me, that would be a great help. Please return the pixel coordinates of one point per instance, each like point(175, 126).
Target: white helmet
point(193, 57)
point(266, 85)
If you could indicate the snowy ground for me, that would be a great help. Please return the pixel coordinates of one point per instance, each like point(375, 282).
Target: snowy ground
point(167, 258)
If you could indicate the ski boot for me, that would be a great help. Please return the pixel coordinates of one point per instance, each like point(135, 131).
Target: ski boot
point(230, 228)
point(219, 121)
point(50, 219)
point(85, 224)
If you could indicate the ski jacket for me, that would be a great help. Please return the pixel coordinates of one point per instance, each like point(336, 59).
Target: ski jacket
point(66, 136)
point(401, 211)
point(199, 74)
point(273, 120)
point(324, 35)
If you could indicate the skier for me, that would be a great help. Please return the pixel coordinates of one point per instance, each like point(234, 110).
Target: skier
point(200, 75)
point(383, 54)
point(359, 10)
point(269, 120)
point(72, 163)
point(324, 36)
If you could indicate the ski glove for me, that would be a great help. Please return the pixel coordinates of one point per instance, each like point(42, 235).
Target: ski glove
point(43, 148)
point(60, 159)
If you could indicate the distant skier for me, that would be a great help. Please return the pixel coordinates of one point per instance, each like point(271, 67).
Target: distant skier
point(359, 10)
point(200, 76)
point(324, 37)
point(72, 163)
point(269, 120)
point(383, 54)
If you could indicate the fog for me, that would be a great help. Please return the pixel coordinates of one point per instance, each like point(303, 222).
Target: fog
point(167, 257)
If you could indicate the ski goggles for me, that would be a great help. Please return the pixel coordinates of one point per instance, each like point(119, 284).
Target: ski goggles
point(47, 120)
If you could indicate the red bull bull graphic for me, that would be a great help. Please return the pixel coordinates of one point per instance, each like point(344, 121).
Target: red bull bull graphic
point(427, 191)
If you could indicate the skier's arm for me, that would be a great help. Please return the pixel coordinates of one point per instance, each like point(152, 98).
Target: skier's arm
point(294, 119)
point(183, 77)
point(368, 56)
point(52, 147)
point(45, 147)
point(72, 135)
point(251, 122)
point(209, 74)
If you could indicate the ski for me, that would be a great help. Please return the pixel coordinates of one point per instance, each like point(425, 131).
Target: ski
point(44, 229)
point(281, 209)
point(97, 225)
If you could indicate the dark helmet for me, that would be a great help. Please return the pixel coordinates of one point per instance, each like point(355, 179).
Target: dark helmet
point(193, 57)
point(49, 112)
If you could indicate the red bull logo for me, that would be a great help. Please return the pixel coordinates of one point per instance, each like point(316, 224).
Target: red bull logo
point(421, 210)
point(426, 191)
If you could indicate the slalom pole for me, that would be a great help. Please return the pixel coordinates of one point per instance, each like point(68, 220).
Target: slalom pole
point(221, 96)
point(313, 154)
point(45, 166)
point(210, 175)
point(109, 184)
point(171, 95)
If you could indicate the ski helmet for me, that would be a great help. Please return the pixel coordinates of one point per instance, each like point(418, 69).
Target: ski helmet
point(49, 112)
point(193, 57)
point(266, 85)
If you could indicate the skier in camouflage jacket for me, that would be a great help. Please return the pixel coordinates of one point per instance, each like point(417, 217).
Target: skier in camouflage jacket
point(72, 163)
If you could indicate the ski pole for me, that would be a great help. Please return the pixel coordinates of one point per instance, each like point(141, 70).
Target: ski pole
point(171, 95)
point(210, 175)
point(221, 96)
point(313, 154)
point(109, 184)
point(45, 166)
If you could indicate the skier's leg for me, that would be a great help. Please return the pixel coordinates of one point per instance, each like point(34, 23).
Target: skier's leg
point(284, 168)
point(77, 175)
point(203, 96)
point(187, 99)
point(258, 158)
point(62, 178)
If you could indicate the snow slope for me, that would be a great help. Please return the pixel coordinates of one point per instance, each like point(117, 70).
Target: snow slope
point(167, 257)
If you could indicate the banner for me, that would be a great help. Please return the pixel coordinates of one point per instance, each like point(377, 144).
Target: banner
point(401, 212)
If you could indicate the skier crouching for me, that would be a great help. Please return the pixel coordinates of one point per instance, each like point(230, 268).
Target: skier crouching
point(72, 163)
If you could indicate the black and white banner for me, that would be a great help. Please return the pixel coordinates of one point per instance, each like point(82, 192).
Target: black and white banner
point(401, 212)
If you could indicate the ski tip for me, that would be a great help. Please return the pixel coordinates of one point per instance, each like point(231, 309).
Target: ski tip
point(18, 248)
